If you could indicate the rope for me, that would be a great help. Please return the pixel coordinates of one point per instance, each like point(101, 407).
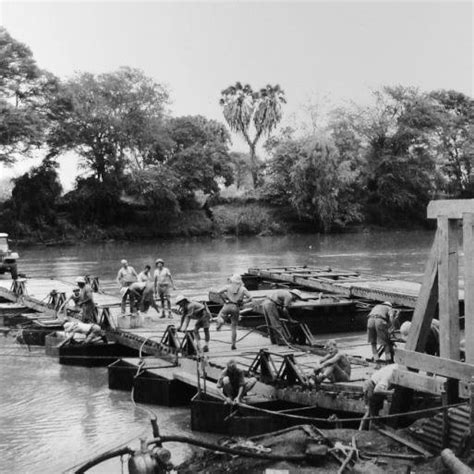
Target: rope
point(348, 420)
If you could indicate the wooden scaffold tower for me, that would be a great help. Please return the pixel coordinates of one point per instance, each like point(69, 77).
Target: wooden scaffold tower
point(440, 291)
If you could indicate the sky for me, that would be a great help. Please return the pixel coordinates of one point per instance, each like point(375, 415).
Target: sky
point(340, 50)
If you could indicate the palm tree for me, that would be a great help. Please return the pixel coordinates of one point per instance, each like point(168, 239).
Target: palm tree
point(242, 107)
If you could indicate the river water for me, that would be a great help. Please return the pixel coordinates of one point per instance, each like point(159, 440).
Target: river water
point(53, 417)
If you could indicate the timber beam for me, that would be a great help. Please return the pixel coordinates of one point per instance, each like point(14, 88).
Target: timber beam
point(438, 365)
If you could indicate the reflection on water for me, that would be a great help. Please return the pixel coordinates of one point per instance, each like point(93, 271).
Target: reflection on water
point(53, 417)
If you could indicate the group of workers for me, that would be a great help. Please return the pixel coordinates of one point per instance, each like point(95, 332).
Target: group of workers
point(141, 290)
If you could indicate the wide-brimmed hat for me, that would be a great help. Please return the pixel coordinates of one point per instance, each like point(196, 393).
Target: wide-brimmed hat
point(297, 293)
point(235, 278)
point(76, 288)
point(123, 262)
point(387, 303)
point(80, 280)
point(159, 260)
point(180, 299)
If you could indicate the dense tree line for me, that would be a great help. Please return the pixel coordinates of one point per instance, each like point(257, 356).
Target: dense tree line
point(141, 166)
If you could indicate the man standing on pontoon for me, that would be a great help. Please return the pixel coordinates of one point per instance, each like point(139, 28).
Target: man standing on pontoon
point(235, 295)
point(125, 277)
point(163, 284)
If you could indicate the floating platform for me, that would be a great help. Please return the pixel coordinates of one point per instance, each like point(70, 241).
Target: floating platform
point(346, 283)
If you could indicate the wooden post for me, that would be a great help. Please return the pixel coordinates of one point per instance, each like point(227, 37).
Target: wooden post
point(445, 401)
point(448, 284)
point(471, 413)
point(468, 246)
point(426, 303)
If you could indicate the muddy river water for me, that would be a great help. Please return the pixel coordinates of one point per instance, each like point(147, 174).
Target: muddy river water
point(54, 417)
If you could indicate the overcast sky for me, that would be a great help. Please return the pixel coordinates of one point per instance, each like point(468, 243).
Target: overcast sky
point(311, 49)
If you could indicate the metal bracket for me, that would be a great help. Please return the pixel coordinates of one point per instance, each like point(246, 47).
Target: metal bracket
point(264, 365)
point(290, 372)
point(189, 345)
point(170, 342)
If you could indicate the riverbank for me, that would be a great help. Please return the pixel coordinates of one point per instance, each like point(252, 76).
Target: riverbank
point(224, 219)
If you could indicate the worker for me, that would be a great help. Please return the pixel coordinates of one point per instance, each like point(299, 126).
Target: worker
point(125, 277)
point(163, 284)
point(376, 389)
point(91, 331)
point(432, 340)
point(274, 307)
point(198, 311)
point(86, 301)
point(378, 330)
point(74, 299)
point(234, 295)
point(233, 384)
point(334, 366)
point(145, 275)
point(141, 296)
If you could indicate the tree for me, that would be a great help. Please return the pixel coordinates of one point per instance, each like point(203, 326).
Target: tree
point(110, 120)
point(200, 156)
point(243, 107)
point(309, 174)
point(24, 92)
point(455, 139)
point(35, 195)
point(400, 166)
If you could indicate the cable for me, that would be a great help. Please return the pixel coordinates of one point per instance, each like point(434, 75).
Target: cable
point(348, 420)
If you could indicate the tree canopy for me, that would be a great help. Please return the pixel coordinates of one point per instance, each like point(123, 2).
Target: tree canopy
point(243, 107)
point(24, 92)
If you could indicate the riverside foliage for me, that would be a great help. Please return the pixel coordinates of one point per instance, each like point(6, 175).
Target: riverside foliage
point(142, 168)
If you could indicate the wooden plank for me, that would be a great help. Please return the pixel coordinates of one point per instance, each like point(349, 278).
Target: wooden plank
point(468, 247)
point(419, 382)
point(426, 302)
point(437, 365)
point(415, 447)
point(450, 208)
point(448, 288)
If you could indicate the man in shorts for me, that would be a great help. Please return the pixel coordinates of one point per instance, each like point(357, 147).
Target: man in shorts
point(235, 295)
point(378, 330)
point(163, 284)
point(125, 277)
point(334, 366)
point(233, 384)
point(376, 389)
point(199, 312)
point(142, 297)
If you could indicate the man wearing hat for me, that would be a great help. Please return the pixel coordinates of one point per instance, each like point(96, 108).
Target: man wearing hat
point(379, 323)
point(199, 312)
point(274, 307)
point(86, 301)
point(234, 295)
point(125, 277)
point(163, 284)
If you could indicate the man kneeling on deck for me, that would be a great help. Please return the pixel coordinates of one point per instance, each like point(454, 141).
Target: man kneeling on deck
point(376, 390)
point(91, 331)
point(334, 366)
point(194, 310)
point(233, 384)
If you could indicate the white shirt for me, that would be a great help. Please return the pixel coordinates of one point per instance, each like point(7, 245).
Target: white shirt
point(383, 377)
